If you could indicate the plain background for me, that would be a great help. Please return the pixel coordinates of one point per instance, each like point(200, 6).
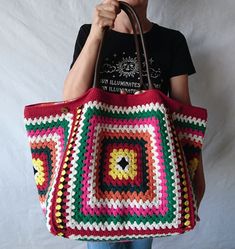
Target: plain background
point(36, 46)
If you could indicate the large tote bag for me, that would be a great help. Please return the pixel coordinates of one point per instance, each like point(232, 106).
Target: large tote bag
point(116, 167)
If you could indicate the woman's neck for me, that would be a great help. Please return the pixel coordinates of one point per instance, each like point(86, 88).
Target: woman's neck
point(123, 24)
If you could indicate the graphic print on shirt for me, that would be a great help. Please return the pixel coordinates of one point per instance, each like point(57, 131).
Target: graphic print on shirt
point(122, 72)
point(127, 67)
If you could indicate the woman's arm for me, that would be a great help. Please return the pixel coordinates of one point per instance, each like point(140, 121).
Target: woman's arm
point(79, 78)
point(180, 91)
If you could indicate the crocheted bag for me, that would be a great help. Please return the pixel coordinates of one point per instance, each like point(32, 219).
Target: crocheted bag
point(116, 167)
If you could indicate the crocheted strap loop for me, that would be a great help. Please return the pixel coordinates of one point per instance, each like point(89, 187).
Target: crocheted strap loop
point(133, 18)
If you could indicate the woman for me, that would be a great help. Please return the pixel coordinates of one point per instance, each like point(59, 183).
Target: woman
point(170, 64)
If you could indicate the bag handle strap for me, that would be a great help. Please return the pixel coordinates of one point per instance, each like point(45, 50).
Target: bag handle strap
point(133, 17)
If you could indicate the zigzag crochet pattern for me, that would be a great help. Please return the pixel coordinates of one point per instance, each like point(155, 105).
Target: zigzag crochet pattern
point(107, 170)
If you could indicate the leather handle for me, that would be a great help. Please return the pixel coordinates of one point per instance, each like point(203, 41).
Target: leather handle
point(133, 18)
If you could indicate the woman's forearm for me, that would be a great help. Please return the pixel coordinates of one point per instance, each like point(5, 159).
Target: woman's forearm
point(79, 78)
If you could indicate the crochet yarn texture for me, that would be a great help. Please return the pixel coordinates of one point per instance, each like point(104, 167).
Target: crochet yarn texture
point(107, 169)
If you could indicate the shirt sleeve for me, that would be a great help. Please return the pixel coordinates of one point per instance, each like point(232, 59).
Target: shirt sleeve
point(80, 41)
point(181, 62)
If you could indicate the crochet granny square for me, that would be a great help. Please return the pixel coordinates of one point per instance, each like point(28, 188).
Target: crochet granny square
point(108, 172)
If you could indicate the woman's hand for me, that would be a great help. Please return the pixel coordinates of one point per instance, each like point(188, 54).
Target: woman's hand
point(141, 91)
point(104, 15)
point(137, 92)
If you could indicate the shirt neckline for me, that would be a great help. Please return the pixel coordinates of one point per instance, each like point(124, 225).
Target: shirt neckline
point(128, 34)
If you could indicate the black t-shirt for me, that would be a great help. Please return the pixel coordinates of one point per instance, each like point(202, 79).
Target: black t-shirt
point(168, 56)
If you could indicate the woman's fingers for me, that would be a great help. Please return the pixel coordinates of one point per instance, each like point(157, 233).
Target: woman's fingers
point(104, 16)
point(107, 10)
point(107, 14)
point(138, 92)
point(111, 3)
point(122, 91)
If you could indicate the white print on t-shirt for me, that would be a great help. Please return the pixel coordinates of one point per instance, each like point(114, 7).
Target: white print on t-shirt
point(114, 71)
point(116, 85)
point(128, 67)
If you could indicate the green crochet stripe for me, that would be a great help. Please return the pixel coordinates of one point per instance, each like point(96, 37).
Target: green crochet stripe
point(187, 124)
point(78, 216)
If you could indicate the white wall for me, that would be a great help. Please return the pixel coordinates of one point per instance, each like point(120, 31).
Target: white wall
point(36, 46)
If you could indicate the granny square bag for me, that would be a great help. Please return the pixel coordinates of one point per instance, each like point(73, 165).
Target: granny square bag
point(116, 167)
